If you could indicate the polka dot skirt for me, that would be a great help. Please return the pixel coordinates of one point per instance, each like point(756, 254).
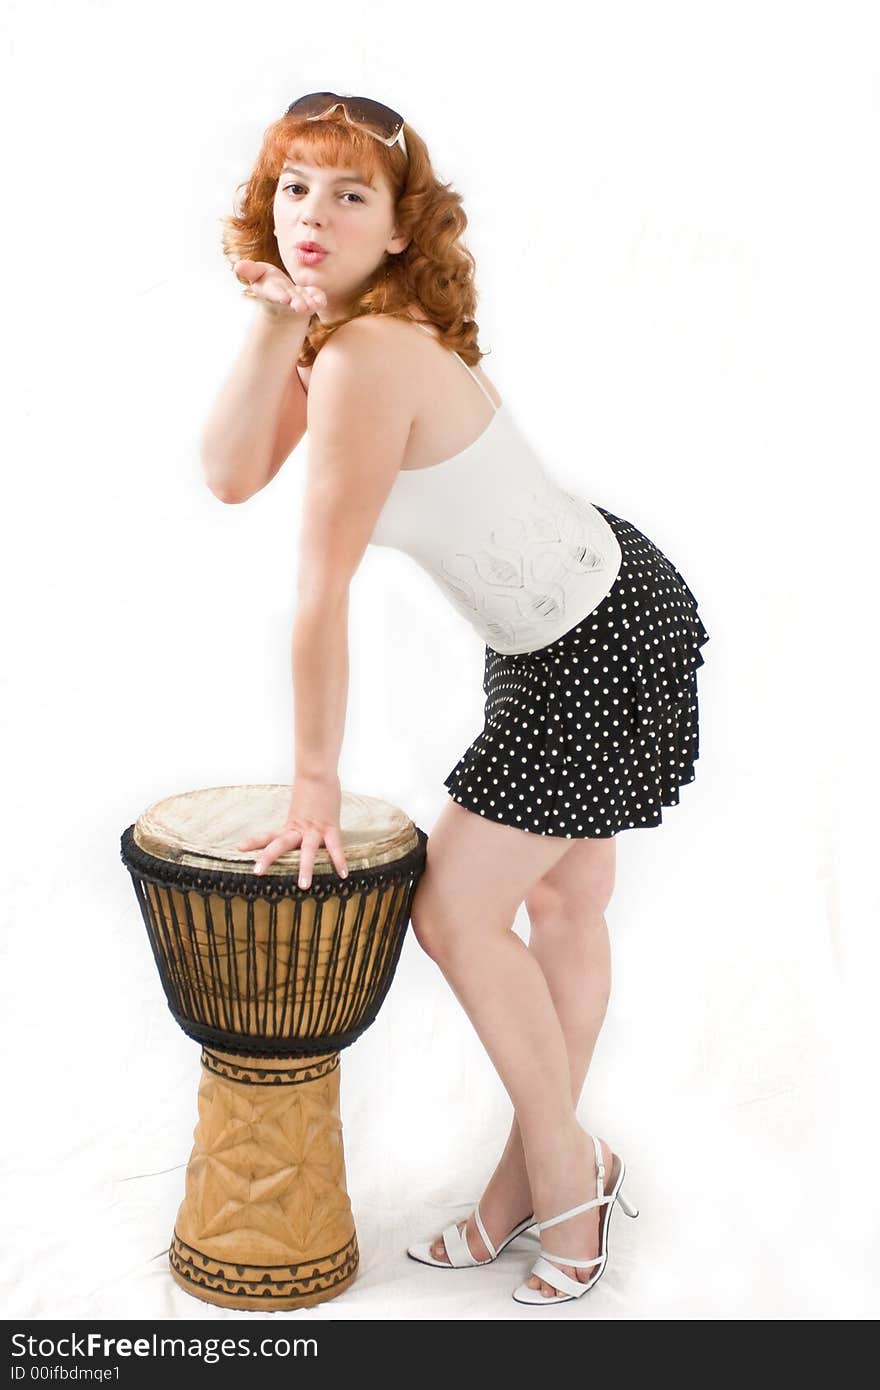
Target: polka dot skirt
point(597, 731)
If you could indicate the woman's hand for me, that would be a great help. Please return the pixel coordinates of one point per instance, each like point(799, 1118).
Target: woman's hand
point(312, 821)
point(266, 282)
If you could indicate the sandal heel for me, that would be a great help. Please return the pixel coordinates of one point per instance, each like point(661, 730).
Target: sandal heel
point(625, 1205)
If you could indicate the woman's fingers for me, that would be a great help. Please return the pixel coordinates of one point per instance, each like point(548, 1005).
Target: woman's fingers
point(272, 845)
point(311, 844)
point(249, 272)
point(265, 281)
point(307, 299)
point(333, 841)
point(276, 846)
point(255, 842)
point(308, 849)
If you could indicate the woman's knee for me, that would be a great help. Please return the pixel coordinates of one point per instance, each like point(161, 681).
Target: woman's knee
point(430, 940)
point(433, 926)
point(554, 914)
point(449, 927)
point(576, 892)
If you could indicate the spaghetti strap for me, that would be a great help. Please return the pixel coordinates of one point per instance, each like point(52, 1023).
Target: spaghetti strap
point(468, 369)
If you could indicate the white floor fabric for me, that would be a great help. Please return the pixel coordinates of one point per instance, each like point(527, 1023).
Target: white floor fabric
point(732, 1111)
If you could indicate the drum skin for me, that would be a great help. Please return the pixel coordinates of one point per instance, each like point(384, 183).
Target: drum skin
point(273, 980)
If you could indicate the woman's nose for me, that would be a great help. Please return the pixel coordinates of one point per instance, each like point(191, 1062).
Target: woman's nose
point(311, 210)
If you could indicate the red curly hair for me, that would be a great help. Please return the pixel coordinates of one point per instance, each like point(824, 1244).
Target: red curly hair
point(436, 270)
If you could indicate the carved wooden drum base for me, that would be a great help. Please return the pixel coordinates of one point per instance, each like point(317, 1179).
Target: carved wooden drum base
point(266, 1221)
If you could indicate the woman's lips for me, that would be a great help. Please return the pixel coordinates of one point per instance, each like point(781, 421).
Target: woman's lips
point(310, 257)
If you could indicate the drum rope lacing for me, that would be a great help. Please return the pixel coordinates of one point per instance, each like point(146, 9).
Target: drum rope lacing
point(272, 886)
point(284, 981)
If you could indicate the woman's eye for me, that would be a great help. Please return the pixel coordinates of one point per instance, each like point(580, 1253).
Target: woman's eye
point(289, 186)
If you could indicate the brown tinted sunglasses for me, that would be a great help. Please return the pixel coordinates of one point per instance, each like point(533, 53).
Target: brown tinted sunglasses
point(377, 120)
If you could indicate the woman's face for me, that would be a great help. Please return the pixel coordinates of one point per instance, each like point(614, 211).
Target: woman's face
point(353, 221)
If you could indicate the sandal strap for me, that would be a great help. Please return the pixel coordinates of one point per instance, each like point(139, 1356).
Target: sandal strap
point(457, 1248)
point(573, 1211)
point(600, 1167)
point(567, 1260)
point(484, 1233)
point(584, 1206)
point(557, 1278)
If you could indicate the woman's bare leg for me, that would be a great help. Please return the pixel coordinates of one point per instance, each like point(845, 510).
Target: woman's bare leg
point(476, 876)
point(569, 939)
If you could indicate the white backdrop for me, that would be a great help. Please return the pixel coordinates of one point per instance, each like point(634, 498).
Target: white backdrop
point(674, 214)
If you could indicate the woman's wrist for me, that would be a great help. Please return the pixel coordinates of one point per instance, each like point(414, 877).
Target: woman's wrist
point(279, 337)
point(321, 776)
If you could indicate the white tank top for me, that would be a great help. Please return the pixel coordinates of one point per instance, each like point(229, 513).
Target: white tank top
point(521, 559)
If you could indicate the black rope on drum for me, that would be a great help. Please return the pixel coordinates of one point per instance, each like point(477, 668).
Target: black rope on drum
point(278, 1011)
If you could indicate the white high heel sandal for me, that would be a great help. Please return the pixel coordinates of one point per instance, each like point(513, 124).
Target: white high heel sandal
point(557, 1278)
point(457, 1248)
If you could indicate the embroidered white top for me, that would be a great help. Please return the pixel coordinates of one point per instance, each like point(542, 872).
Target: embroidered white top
point(522, 559)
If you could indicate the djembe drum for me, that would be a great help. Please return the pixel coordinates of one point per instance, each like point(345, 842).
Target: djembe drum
point(272, 980)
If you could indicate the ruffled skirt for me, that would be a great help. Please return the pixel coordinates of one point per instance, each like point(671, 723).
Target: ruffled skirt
point(597, 731)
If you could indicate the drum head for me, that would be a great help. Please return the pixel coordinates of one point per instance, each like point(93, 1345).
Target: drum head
point(204, 828)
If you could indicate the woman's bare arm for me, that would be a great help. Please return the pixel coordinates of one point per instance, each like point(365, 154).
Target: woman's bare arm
point(362, 414)
point(260, 414)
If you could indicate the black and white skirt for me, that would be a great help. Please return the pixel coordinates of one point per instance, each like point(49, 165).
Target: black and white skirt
point(597, 731)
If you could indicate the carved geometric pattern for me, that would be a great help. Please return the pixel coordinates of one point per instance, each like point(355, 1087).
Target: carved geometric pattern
point(255, 1073)
point(266, 1217)
point(248, 1286)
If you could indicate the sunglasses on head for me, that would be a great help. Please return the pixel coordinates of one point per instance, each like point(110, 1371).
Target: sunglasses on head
point(377, 120)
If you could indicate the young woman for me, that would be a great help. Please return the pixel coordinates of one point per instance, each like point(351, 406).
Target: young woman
point(351, 247)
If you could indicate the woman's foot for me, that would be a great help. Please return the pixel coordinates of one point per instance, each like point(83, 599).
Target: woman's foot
point(572, 1181)
point(505, 1203)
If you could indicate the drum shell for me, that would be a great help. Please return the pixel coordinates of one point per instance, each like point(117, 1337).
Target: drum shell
point(260, 966)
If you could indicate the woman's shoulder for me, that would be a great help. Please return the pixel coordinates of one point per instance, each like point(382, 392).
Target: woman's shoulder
point(384, 329)
point(386, 336)
point(381, 328)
